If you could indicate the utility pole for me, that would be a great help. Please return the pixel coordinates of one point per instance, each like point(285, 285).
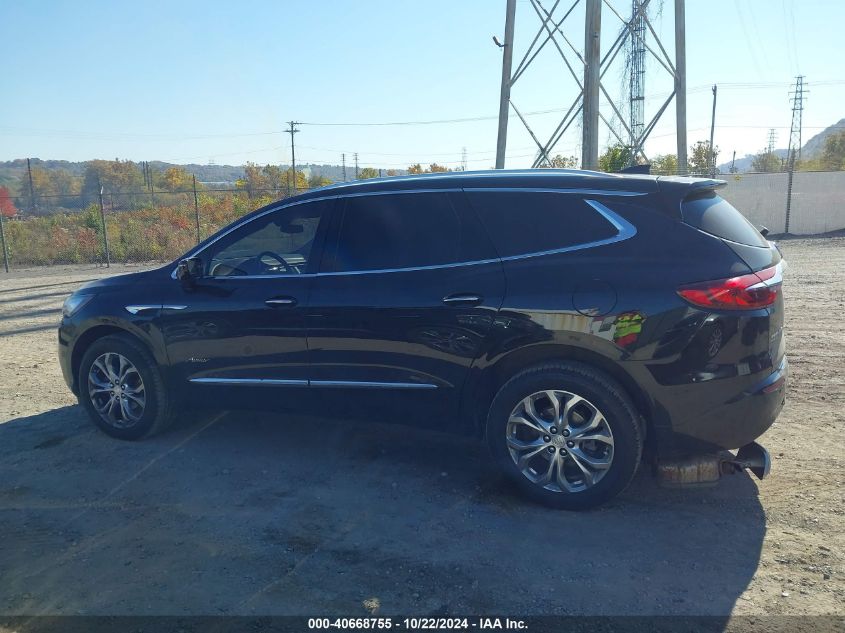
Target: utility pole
point(293, 131)
point(505, 94)
point(794, 151)
point(31, 187)
point(733, 163)
point(712, 156)
point(463, 159)
point(343, 161)
point(356, 165)
point(592, 85)
point(681, 85)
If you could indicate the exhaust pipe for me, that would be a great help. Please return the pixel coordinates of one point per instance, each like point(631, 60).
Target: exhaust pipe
point(755, 458)
point(706, 470)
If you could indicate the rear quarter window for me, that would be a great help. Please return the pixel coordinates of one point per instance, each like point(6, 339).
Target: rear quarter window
point(521, 223)
point(716, 216)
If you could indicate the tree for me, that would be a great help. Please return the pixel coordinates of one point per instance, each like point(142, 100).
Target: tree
point(275, 178)
point(176, 179)
point(765, 161)
point(42, 186)
point(367, 172)
point(7, 205)
point(699, 158)
point(254, 179)
point(665, 164)
point(317, 180)
point(114, 176)
point(615, 158)
point(432, 168)
point(564, 162)
point(833, 155)
point(53, 189)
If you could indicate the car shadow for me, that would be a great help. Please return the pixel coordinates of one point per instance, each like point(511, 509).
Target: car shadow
point(245, 513)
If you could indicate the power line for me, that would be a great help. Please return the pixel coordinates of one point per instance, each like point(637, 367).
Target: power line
point(89, 135)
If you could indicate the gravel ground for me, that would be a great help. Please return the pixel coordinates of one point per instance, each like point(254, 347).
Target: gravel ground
point(234, 513)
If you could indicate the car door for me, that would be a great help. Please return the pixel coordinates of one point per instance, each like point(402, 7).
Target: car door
point(403, 305)
point(240, 337)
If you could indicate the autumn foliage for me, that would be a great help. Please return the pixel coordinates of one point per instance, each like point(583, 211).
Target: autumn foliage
point(7, 205)
point(152, 234)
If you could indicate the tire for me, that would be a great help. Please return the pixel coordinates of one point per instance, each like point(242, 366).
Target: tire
point(143, 382)
point(587, 472)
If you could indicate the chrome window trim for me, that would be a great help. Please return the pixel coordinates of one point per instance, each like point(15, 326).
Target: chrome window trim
point(625, 229)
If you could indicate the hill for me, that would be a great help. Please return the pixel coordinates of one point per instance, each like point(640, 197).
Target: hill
point(815, 146)
point(810, 150)
point(743, 165)
point(215, 176)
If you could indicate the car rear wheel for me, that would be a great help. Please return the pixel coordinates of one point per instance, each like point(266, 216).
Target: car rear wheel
point(122, 390)
point(566, 434)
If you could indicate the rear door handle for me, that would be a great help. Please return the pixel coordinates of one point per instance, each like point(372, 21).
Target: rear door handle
point(278, 302)
point(463, 299)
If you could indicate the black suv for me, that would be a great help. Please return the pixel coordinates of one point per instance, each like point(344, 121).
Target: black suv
point(575, 320)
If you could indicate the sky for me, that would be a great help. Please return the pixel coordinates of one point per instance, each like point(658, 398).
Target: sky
point(207, 81)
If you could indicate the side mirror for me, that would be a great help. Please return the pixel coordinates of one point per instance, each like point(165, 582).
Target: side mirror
point(189, 271)
point(763, 230)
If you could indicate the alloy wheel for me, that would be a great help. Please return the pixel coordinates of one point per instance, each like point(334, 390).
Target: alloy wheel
point(116, 390)
point(560, 441)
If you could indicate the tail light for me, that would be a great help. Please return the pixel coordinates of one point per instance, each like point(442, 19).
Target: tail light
point(746, 292)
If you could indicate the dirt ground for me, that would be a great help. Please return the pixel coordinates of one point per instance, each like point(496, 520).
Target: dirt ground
point(235, 513)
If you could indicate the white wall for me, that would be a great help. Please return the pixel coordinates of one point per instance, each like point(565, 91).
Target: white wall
point(818, 200)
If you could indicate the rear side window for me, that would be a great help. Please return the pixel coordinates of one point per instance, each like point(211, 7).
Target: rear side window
point(520, 223)
point(715, 215)
point(405, 231)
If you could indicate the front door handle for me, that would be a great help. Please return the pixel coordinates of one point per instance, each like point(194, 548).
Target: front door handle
point(463, 298)
point(277, 302)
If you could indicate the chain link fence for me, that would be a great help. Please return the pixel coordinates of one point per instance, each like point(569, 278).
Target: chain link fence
point(138, 227)
point(158, 226)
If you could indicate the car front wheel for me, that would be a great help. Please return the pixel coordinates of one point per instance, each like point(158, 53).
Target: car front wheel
point(122, 390)
point(566, 434)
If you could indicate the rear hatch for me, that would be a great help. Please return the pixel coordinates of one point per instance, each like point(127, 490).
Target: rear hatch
point(705, 210)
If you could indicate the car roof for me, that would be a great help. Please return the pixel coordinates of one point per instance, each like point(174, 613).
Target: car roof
point(495, 178)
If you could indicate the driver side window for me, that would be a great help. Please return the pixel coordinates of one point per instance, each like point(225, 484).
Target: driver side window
point(278, 243)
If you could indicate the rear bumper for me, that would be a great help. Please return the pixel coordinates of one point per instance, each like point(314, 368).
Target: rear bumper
point(746, 417)
point(733, 424)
